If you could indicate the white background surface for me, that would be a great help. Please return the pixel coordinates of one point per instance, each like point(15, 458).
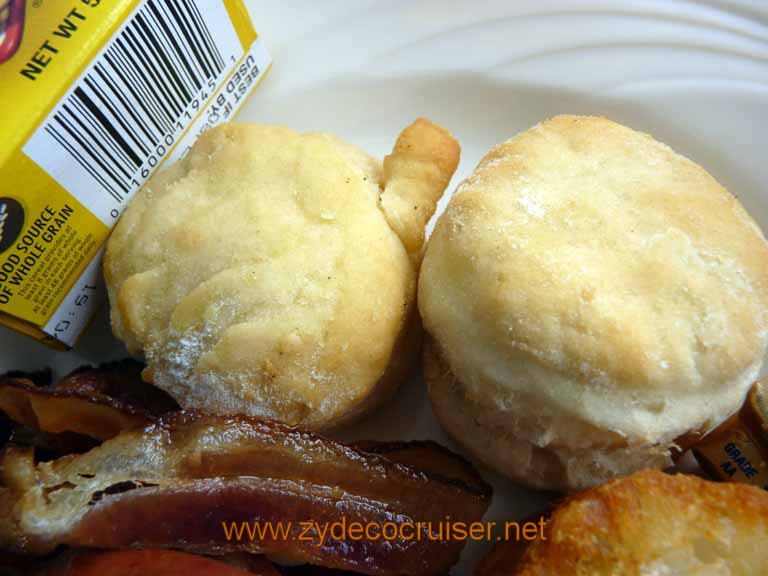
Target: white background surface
point(693, 74)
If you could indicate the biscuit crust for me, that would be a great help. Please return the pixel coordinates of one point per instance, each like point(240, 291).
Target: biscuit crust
point(489, 440)
point(592, 289)
point(261, 274)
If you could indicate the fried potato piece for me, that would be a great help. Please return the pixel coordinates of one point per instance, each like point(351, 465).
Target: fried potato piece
point(646, 524)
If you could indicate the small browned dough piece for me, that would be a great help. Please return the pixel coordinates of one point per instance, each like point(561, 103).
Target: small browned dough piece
point(181, 481)
point(647, 523)
point(420, 167)
point(97, 402)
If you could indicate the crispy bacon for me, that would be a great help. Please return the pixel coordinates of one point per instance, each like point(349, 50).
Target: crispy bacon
point(148, 562)
point(154, 563)
point(97, 402)
point(426, 456)
point(308, 570)
point(49, 446)
point(178, 482)
point(42, 377)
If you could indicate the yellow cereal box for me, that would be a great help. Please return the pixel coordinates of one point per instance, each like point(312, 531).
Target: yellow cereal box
point(96, 96)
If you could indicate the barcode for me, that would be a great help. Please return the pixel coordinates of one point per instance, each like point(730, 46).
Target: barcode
point(126, 112)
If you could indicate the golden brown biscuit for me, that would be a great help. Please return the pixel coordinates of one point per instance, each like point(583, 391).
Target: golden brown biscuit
point(647, 524)
point(592, 296)
point(273, 273)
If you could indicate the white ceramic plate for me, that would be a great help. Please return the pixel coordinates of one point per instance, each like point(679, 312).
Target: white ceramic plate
point(693, 74)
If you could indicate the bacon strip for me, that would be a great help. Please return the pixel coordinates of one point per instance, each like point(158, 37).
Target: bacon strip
point(177, 482)
point(155, 563)
point(96, 402)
